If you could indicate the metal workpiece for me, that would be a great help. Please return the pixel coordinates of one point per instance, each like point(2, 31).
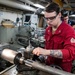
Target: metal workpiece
point(8, 55)
point(2, 47)
point(12, 56)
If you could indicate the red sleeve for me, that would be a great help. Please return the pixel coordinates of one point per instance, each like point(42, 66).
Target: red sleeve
point(69, 46)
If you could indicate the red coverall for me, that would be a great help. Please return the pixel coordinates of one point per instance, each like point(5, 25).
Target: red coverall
point(63, 39)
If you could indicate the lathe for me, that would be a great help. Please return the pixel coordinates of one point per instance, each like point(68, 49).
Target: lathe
point(26, 63)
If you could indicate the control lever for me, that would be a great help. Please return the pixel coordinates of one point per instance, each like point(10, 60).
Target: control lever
point(28, 51)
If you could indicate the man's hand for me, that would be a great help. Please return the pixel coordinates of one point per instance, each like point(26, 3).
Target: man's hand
point(38, 51)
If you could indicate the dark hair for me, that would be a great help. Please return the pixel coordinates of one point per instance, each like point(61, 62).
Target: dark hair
point(52, 7)
point(64, 13)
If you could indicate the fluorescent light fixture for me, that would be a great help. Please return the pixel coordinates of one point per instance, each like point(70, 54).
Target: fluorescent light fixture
point(39, 6)
point(72, 15)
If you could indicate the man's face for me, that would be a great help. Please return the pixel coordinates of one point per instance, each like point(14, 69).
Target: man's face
point(66, 19)
point(73, 27)
point(52, 18)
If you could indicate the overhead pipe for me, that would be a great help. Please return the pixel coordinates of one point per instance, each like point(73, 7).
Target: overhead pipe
point(62, 5)
point(17, 5)
point(67, 6)
point(59, 2)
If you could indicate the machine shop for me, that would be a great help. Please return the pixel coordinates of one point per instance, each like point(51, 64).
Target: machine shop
point(35, 38)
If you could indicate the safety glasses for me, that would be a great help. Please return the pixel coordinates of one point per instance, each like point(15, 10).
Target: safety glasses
point(50, 18)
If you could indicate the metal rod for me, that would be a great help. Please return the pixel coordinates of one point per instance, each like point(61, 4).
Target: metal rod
point(46, 68)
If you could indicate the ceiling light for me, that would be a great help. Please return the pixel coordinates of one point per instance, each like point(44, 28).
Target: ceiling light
point(72, 15)
point(39, 6)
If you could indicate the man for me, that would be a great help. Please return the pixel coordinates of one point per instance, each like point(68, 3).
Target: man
point(73, 25)
point(65, 18)
point(59, 40)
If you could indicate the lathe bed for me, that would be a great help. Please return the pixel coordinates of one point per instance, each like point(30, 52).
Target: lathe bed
point(12, 71)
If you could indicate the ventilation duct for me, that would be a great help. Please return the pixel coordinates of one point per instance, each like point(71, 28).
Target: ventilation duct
point(17, 5)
